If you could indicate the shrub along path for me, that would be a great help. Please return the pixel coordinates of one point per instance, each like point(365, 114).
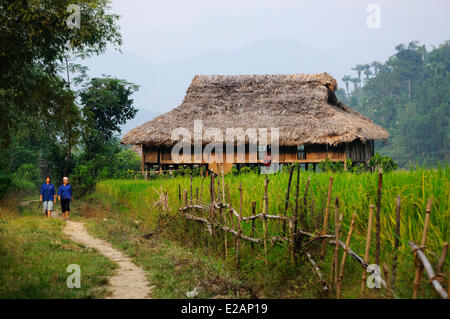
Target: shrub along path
point(129, 281)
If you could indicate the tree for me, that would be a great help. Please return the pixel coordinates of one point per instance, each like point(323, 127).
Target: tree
point(107, 105)
point(33, 40)
point(346, 79)
point(359, 69)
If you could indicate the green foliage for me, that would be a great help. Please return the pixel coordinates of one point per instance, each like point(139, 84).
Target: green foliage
point(385, 162)
point(31, 173)
point(409, 96)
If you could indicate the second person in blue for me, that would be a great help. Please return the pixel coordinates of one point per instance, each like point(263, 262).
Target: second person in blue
point(47, 196)
point(65, 196)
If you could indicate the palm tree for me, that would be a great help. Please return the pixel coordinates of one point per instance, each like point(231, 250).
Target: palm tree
point(355, 82)
point(377, 66)
point(358, 68)
point(367, 71)
point(346, 79)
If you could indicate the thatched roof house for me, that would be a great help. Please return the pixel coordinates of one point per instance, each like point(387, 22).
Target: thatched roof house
point(303, 106)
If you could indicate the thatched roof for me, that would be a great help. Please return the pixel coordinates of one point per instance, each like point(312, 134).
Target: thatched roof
point(303, 107)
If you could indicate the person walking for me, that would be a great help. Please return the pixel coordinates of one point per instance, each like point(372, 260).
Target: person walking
point(65, 196)
point(47, 196)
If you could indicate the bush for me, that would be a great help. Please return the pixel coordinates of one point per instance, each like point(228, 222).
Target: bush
point(385, 162)
point(30, 173)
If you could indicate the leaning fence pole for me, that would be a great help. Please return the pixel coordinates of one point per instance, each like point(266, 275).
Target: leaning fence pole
point(344, 256)
point(419, 267)
point(378, 219)
point(325, 219)
point(223, 185)
point(286, 203)
point(441, 261)
point(191, 190)
point(366, 252)
point(266, 211)
point(397, 239)
point(305, 202)
point(253, 223)
point(297, 191)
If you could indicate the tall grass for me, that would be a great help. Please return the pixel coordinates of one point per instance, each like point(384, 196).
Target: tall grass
point(355, 192)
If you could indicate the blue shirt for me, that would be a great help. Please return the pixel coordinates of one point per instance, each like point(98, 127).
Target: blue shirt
point(65, 191)
point(47, 192)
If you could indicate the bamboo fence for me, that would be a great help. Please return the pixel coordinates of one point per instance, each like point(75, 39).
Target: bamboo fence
point(221, 219)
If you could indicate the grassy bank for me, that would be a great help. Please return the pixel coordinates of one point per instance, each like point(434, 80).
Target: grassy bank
point(34, 255)
point(135, 200)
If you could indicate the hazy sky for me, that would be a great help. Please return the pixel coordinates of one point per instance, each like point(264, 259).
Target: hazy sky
point(165, 30)
point(167, 42)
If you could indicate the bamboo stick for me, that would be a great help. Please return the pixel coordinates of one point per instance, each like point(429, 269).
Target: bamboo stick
point(337, 222)
point(305, 203)
point(420, 255)
point(325, 219)
point(238, 258)
point(366, 252)
point(378, 218)
point(191, 189)
point(225, 235)
point(240, 198)
point(387, 279)
point(419, 267)
point(201, 188)
point(253, 222)
point(223, 185)
point(344, 256)
point(397, 239)
point(317, 272)
point(179, 193)
point(286, 203)
point(291, 242)
point(442, 258)
point(266, 210)
point(297, 191)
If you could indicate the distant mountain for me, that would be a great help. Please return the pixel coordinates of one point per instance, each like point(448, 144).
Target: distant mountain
point(164, 85)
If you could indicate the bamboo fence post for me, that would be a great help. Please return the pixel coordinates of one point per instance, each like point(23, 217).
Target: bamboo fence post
point(185, 198)
point(286, 204)
point(229, 205)
point(179, 193)
point(191, 189)
point(325, 219)
point(419, 267)
point(426, 265)
point(253, 222)
point(291, 242)
point(196, 194)
point(305, 202)
point(218, 187)
point(442, 259)
point(213, 188)
point(223, 185)
point(297, 191)
point(238, 250)
point(378, 219)
point(344, 255)
point(201, 189)
point(240, 198)
point(266, 210)
point(337, 222)
point(397, 239)
point(366, 252)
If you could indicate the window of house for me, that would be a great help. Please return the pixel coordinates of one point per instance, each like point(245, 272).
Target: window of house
point(301, 152)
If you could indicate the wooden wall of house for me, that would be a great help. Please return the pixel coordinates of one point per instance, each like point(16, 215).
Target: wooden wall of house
point(315, 153)
point(358, 151)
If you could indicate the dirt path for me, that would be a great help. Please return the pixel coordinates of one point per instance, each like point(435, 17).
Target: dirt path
point(129, 281)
